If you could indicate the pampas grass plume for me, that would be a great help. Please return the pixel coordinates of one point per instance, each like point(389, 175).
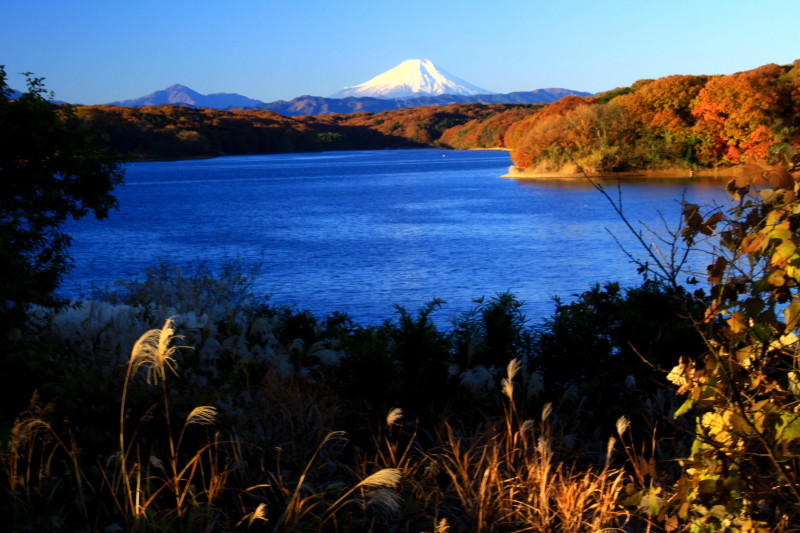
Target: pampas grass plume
point(547, 410)
point(394, 417)
point(205, 415)
point(259, 513)
point(622, 425)
point(154, 350)
point(388, 499)
point(388, 477)
point(477, 379)
point(512, 370)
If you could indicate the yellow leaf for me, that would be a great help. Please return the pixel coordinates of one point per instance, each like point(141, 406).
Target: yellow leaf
point(683, 408)
point(754, 242)
point(777, 278)
point(789, 427)
point(792, 314)
point(737, 322)
point(783, 253)
point(781, 232)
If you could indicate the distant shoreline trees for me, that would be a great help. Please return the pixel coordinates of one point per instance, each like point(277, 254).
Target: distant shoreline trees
point(176, 132)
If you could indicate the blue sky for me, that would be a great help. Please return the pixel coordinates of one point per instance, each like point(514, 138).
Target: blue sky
point(103, 50)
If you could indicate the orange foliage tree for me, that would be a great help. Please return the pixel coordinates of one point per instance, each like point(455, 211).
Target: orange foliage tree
point(736, 114)
point(534, 137)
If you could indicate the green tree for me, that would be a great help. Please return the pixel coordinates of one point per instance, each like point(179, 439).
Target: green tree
point(50, 170)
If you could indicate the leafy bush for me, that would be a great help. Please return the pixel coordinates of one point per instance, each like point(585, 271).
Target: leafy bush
point(742, 392)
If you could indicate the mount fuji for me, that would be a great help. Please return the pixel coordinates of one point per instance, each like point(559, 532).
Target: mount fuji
point(412, 78)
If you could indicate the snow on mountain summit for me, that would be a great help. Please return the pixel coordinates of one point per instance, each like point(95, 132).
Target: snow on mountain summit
point(410, 79)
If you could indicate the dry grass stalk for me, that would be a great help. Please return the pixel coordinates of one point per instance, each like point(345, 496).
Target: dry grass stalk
point(297, 506)
point(32, 449)
point(502, 480)
point(155, 351)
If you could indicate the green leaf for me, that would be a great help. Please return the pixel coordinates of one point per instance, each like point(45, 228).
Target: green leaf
point(652, 504)
point(683, 408)
point(789, 427)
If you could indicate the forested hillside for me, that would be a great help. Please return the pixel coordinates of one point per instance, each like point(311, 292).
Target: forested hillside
point(672, 122)
point(163, 132)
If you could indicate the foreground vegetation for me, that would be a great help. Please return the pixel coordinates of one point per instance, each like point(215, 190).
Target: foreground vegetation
point(648, 407)
point(246, 416)
point(182, 402)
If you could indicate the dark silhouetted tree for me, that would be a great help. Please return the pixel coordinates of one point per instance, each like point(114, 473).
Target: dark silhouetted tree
point(50, 171)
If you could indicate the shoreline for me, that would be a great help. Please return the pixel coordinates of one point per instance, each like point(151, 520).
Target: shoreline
point(678, 173)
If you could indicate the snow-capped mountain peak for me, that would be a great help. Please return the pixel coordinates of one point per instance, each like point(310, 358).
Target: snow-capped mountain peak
point(412, 78)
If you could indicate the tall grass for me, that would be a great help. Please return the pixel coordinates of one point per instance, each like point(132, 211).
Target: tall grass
point(247, 421)
point(507, 477)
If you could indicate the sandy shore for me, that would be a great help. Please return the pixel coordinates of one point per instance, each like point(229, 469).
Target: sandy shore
point(518, 173)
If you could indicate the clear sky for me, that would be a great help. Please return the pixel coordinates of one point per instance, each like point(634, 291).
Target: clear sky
point(103, 50)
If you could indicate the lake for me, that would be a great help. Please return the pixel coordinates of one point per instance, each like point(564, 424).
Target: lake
point(361, 231)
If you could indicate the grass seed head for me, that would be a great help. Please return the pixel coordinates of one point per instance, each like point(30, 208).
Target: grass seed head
point(386, 499)
point(388, 477)
point(155, 350)
point(204, 415)
point(622, 425)
point(394, 417)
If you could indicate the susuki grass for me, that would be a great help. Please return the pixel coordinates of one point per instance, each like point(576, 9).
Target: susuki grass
point(507, 477)
point(263, 418)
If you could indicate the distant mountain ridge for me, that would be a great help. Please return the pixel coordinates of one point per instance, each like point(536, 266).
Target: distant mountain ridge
point(412, 78)
point(181, 95)
point(412, 83)
point(317, 105)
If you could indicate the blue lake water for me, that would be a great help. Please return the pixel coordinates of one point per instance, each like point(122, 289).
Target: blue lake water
point(362, 231)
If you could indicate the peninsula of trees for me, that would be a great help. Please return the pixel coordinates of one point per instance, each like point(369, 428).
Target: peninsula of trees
point(675, 122)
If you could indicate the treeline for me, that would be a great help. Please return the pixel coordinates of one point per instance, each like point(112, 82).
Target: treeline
point(178, 132)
